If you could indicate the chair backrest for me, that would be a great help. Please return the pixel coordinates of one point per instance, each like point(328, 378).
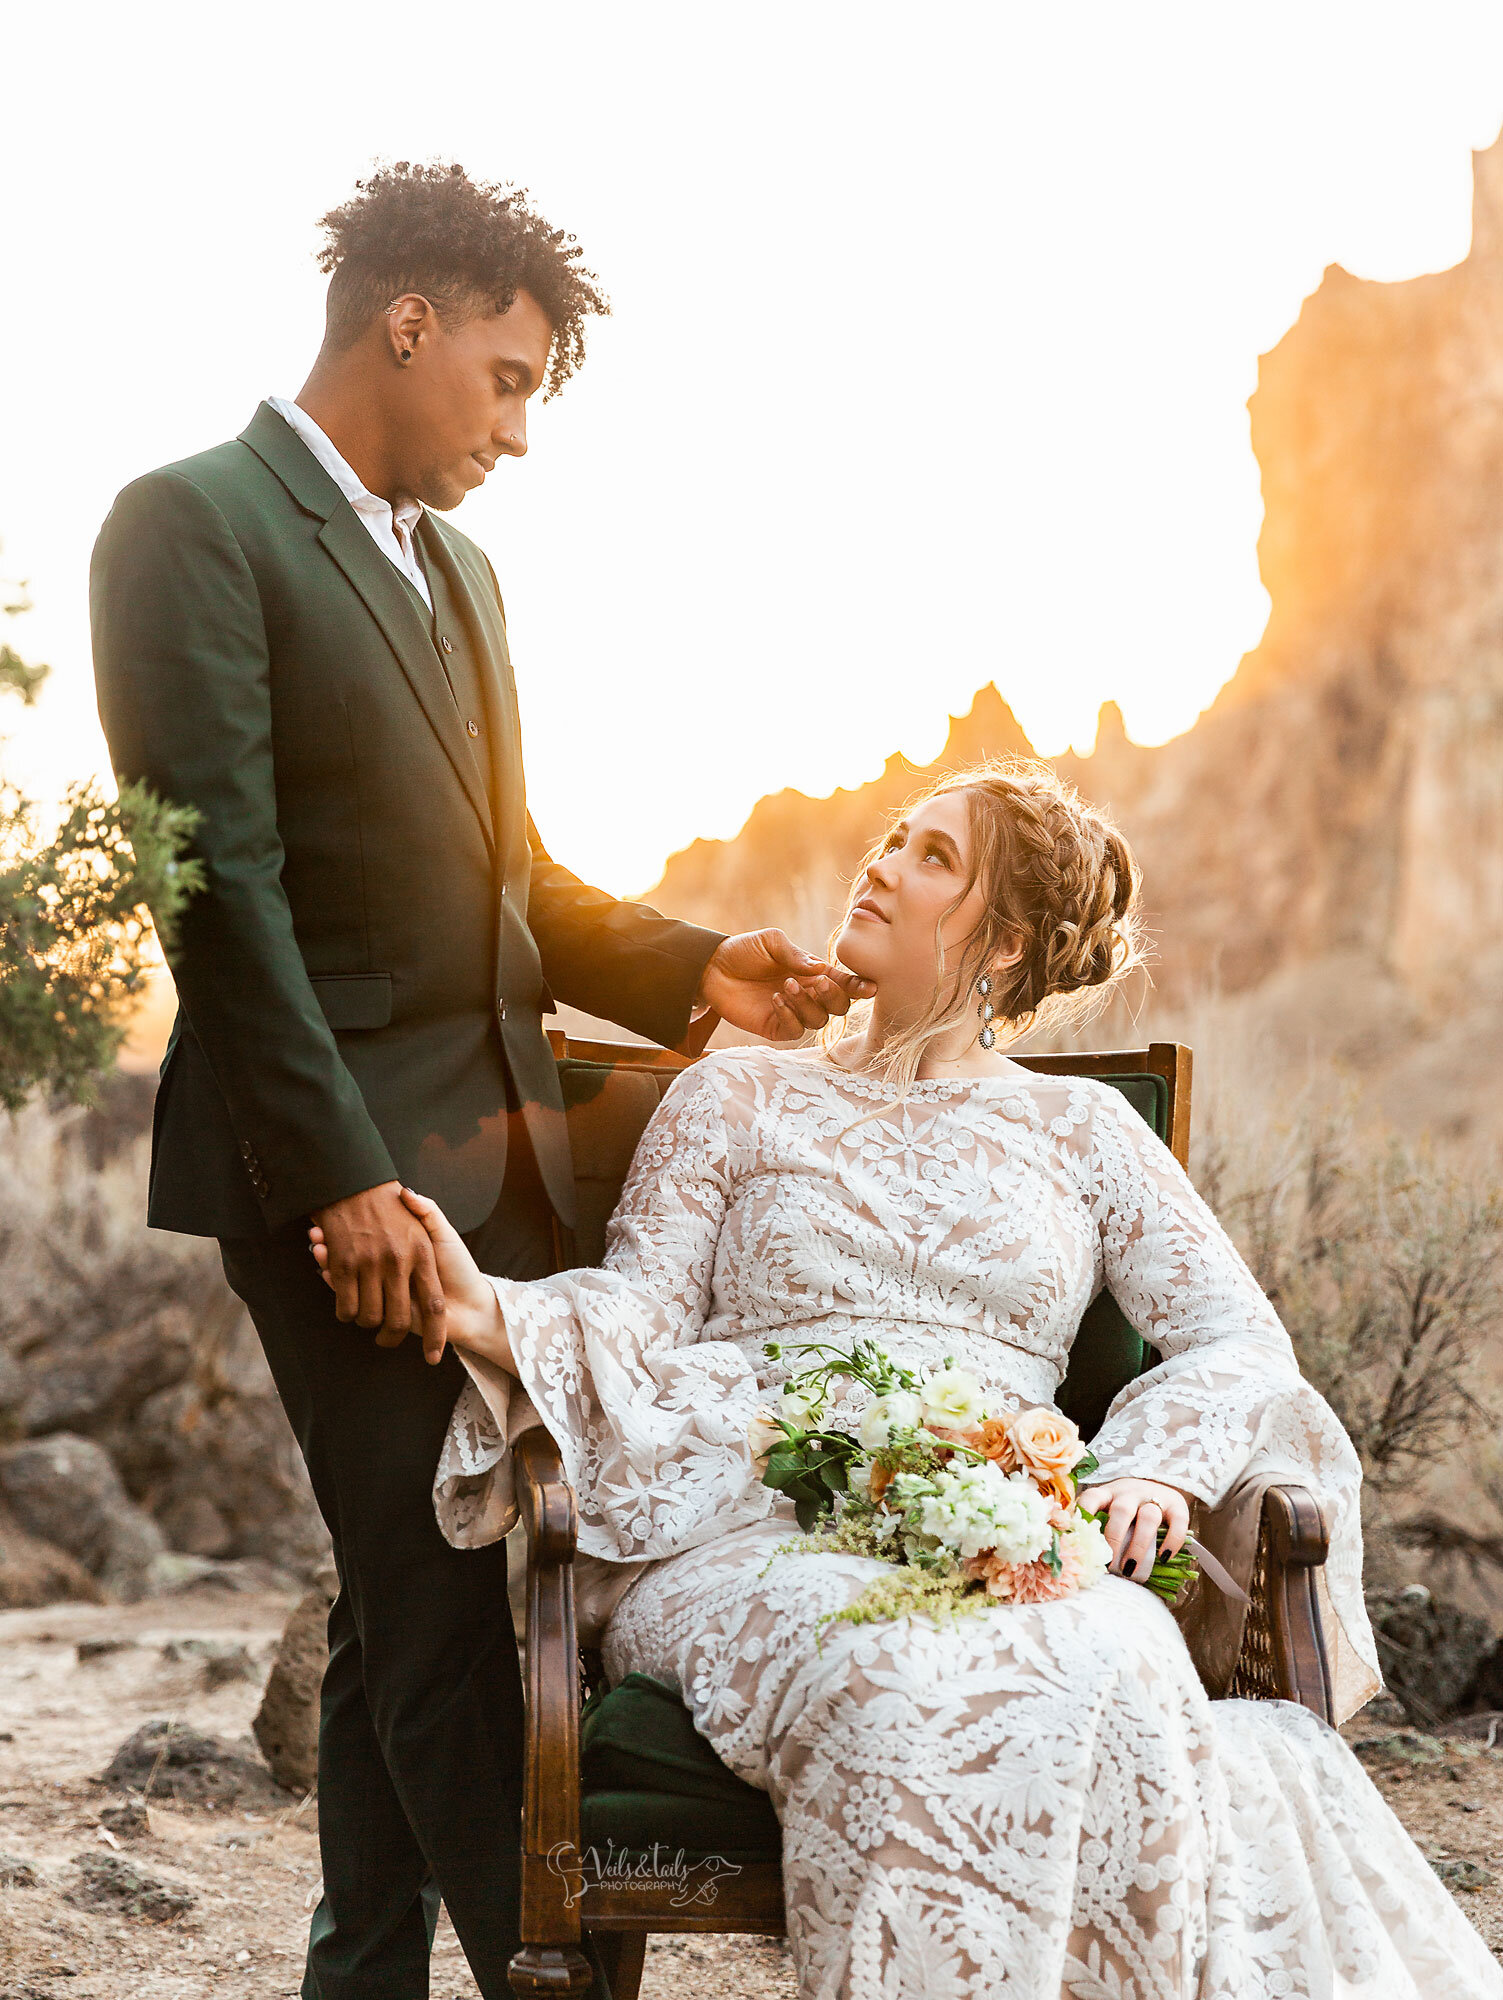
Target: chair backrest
point(611, 1089)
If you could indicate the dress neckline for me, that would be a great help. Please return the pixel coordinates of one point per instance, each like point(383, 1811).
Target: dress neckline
point(938, 1086)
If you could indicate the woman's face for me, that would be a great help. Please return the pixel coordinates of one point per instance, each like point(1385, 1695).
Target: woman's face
point(904, 898)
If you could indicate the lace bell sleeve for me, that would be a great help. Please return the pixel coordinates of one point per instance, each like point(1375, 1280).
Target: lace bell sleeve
point(1226, 1403)
point(651, 1419)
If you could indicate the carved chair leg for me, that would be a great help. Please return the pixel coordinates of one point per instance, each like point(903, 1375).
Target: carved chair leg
point(541, 1969)
point(624, 1953)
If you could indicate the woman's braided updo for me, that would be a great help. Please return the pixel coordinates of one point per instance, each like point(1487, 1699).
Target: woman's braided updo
point(1061, 884)
point(1060, 926)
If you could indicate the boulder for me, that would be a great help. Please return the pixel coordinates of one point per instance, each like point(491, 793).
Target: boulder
point(34, 1572)
point(1429, 1651)
point(286, 1724)
point(66, 1490)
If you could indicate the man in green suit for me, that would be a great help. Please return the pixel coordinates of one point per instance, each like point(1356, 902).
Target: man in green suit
point(289, 640)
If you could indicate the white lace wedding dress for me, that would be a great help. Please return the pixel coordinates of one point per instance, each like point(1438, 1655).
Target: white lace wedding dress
point(1037, 1801)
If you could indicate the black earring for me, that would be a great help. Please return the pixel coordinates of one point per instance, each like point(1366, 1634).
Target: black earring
point(406, 353)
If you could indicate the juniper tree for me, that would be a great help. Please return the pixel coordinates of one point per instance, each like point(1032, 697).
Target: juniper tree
point(76, 908)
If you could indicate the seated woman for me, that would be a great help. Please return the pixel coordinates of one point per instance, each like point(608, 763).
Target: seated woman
point(1039, 1800)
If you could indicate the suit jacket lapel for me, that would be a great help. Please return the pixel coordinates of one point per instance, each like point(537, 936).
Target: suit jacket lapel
point(478, 597)
point(385, 595)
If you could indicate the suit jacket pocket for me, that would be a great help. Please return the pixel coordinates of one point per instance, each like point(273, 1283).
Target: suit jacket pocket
point(354, 999)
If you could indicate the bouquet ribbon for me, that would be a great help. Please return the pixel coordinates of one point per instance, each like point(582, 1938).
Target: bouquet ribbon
point(1216, 1571)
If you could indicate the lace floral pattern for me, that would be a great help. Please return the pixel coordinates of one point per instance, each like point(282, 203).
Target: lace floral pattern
point(1038, 1801)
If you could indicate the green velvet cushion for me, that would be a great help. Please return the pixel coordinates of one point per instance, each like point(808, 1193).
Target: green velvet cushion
point(1108, 1353)
point(648, 1777)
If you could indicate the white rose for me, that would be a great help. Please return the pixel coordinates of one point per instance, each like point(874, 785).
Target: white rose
point(899, 1411)
point(799, 1408)
point(762, 1432)
point(953, 1399)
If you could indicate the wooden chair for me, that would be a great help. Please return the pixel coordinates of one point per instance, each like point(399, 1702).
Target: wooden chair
point(653, 1798)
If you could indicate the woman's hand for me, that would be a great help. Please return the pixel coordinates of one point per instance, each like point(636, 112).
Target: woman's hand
point(1135, 1510)
point(472, 1318)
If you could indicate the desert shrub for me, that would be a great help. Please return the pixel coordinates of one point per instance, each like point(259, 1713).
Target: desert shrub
point(1385, 1263)
point(76, 942)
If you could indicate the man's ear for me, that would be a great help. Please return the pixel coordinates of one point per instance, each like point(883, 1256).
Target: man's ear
point(410, 322)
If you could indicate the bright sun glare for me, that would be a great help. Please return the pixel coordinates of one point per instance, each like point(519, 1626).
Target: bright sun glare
point(928, 367)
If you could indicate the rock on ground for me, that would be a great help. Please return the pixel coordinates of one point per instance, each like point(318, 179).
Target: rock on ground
point(167, 1760)
point(286, 1724)
point(110, 1881)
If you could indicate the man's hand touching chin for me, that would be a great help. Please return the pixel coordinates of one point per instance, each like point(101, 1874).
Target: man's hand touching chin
point(762, 982)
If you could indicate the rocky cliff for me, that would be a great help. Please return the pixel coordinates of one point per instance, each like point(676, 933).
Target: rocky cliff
point(1330, 832)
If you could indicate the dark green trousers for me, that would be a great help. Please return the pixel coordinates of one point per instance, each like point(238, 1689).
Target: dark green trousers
point(420, 1739)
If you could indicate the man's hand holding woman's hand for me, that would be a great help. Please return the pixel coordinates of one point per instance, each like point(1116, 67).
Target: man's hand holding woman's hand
point(377, 1266)
point(1135, 1510)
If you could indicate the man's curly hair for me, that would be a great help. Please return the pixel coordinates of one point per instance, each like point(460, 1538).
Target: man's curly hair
point(467, 246)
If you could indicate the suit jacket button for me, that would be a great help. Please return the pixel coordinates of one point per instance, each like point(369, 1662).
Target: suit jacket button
point(500, 1010)
point(473, 727)
point(444, 642)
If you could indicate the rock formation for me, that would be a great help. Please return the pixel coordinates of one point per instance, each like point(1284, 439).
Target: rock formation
point(1331, 829)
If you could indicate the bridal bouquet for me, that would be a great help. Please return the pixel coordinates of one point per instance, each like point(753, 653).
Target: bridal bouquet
point(969, 1507)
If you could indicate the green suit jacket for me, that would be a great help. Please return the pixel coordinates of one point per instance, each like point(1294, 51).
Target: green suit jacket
point(364, 975)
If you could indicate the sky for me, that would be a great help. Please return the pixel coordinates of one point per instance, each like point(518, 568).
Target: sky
point(933, 334)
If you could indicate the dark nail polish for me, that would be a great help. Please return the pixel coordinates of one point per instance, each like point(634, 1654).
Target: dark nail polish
point(1129, 1568)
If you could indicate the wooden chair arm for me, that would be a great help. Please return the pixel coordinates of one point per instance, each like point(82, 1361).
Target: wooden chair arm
point(1284, 1656)
point(552, 1884)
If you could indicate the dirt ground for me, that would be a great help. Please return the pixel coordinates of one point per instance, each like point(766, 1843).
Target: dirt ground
point(253, 1875)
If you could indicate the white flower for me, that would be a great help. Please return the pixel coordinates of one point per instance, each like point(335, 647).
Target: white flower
point(899, 1411)
point(859, 1480)
point(800, 1407)
point(1090, 1549)
point(762, 1433)
point(971, 1508)
point(953, 1399)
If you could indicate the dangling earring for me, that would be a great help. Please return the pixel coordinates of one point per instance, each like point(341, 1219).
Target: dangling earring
point(986, 1010)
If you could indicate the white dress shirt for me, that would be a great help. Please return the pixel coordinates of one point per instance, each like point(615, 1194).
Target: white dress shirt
point(391, 531)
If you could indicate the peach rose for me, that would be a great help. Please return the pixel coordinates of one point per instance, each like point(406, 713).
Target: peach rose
point(993, 1440)
point(1048, 1446)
